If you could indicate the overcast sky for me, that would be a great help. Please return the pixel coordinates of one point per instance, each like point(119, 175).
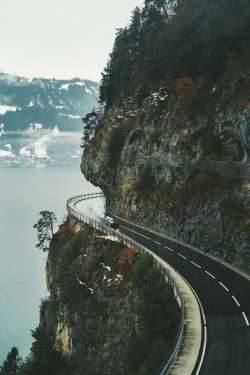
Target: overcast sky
point(60, 38)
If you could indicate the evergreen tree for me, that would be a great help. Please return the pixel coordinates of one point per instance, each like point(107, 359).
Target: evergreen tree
point(86, 367)
point(158, 298)
point(91, 122)
point(174, 39)
point(11, 365)
point(45, 229)
point(44, 360)
point(159, 350)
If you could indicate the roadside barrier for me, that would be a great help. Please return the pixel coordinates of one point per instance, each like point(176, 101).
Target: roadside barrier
point(130, 243)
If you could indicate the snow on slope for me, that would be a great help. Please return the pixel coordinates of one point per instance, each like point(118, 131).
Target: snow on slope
point(38, 149)
point(6, 108)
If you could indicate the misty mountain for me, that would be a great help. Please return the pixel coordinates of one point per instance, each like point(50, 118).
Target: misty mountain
point(45, 103)
point(41, 119)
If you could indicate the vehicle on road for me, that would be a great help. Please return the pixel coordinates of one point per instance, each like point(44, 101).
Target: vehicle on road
point(111, 221)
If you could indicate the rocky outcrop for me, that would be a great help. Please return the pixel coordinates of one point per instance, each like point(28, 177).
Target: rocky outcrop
point(91, 312)
point(185, 173)
point(94, 311)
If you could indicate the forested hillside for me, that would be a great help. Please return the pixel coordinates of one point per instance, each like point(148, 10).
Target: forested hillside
point(171, 141)
point(194, 41)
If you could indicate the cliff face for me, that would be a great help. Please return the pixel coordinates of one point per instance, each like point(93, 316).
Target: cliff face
point(181, 167)
point(89, 310)
point(98, 319)
point(172, 149)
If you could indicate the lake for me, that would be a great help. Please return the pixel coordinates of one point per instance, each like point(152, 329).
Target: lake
point(24, 192)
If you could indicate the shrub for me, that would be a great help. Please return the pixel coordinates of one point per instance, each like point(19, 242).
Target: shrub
point(159, 308)
point(65, 233)
point(182, 87)
point(11, 365)
point(43, 358)
point(87, 366)
point(70, 251)
point(142, 93)
point(127, 259)
point(154, 359)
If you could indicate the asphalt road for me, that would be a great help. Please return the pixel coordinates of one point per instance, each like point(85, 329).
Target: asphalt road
point(224, 294)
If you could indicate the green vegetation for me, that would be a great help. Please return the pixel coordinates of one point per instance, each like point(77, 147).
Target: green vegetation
point(91, 122)
point(43, 359)
point(45, 229)
point(157, 296)
point(200, 39)
point(158, 310)
point(87, 366)
point(11, 365)
point(154, 359)
point(77, 265)
point(68, 270)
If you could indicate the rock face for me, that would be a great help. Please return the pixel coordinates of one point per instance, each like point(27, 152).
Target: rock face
point(183, 171)
point(94, 311)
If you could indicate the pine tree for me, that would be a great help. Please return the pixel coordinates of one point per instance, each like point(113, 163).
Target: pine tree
point(45, 229)
point(91, 122)
point(11, 365)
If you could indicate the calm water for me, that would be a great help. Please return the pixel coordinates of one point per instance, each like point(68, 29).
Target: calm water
point(24, 192)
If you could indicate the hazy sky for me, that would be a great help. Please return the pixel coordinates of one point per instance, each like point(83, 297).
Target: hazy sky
point(60, 38)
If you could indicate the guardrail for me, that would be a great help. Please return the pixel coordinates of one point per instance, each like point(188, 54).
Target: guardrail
point(131, 243)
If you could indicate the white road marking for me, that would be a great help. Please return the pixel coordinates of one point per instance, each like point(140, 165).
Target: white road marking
point(236, 301)
point(245, 318)
point(210, 274)
point(181, 256)
point(168, 248)
point(224, 286)
point(203, 351)
point(197, 265)
point(72, 201)
point(135, 232)
point(157, 242)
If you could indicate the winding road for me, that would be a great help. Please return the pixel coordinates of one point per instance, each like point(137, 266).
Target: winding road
point(224, 293)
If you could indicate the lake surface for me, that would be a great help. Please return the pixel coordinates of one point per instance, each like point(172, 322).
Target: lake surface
point(24, 192)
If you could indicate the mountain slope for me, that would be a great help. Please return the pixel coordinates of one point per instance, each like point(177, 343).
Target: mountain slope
point(40, 120)
point(47, 102)
point(172, 149)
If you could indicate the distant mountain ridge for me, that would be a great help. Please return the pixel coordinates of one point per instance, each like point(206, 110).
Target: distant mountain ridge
point(41, 119)
point(45, 103)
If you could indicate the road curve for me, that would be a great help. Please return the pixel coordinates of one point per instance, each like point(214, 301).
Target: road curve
point(224, 294)
point(223, 291)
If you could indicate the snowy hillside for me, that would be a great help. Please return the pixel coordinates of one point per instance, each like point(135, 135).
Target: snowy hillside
point(41, 119)
point(48, 102)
